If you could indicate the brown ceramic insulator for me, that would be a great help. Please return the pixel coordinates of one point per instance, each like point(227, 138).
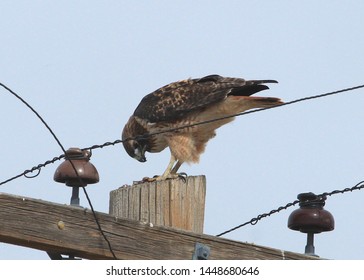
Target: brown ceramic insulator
point(311, 217)
point(86, 171)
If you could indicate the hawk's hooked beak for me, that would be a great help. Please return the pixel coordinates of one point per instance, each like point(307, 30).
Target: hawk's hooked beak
point(140, 153)
point(142, 159)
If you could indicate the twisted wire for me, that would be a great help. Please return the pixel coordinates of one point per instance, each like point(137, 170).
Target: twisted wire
point(255, 220)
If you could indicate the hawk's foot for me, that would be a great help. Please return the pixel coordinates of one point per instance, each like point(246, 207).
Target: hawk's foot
point(182, 176)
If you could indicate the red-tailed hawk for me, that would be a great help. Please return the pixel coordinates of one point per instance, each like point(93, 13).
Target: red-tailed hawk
point(184, 103)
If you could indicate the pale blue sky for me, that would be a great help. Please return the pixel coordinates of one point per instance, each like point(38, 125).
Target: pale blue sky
point(85, 65)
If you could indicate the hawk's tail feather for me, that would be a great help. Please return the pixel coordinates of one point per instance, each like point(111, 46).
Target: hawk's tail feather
point(258, 82)
point(250, 88)
point(264, 102)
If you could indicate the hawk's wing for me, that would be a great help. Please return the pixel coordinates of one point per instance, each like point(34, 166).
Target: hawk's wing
point(174, 101)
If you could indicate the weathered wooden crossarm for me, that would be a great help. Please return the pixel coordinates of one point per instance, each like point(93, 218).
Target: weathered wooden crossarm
point(63, 229)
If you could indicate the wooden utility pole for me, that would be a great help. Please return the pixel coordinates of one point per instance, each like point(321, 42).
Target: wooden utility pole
point(155, 220)
point(63, 229)
point(178, 203)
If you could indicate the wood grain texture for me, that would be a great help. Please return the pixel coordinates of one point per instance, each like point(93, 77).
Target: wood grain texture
point(171, 203)
point(72, 230)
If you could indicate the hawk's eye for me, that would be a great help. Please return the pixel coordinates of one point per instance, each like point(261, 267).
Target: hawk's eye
point(136, 147)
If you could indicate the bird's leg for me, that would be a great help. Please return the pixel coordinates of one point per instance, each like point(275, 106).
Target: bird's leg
point(168, 171)
point(181, 175)
point(176, 167)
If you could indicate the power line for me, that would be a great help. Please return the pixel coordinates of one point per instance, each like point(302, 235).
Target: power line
point(31, 170)
point(73, 166)
point(118, 141)
point(256, 219)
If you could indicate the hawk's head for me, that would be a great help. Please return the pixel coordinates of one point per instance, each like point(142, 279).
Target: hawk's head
point(135, 147)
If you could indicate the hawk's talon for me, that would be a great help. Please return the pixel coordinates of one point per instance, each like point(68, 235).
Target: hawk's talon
point(148, 179)
point(183, 176)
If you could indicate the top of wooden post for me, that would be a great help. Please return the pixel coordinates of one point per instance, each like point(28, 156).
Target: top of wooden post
point(173, 203)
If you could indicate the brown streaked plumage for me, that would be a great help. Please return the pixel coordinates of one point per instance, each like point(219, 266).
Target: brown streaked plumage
point(184, 103)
